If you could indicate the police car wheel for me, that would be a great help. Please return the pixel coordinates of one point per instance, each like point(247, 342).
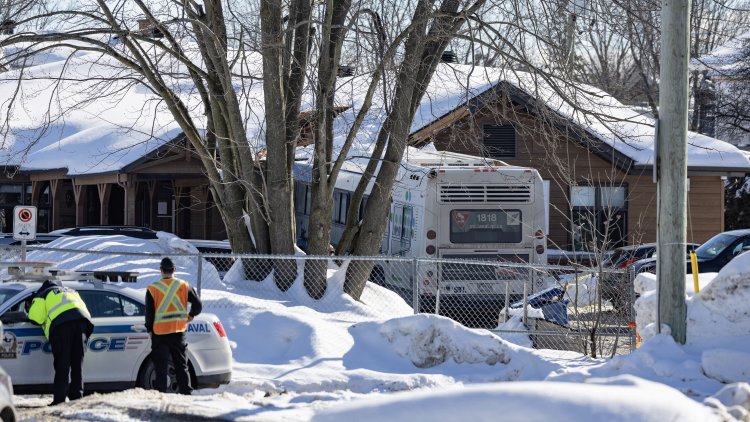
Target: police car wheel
point(8, 415)
point(147, 377)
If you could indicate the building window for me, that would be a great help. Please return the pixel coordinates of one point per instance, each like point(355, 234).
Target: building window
point(12, 194)
point(599, 217)
point(499, 141)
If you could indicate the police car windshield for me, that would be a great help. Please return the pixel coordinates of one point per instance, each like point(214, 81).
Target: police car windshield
point(6, 293)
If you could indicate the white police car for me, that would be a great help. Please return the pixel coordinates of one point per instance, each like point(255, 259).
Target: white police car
point(118, 355)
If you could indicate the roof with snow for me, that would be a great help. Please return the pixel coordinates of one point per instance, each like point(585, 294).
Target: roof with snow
point(727, 60)
point(102, 126)
point(621, 129)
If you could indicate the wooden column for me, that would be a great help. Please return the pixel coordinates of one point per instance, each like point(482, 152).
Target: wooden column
point(56, 196)
point(152, 209)
point(80, 196)
point(131, 191)
point(105, 189)
point(199, 207)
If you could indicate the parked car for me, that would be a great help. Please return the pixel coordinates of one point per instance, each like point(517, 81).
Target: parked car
point(7, 410)
point(221, 263)
point(130, 231)
point(625, 256)
point(615, 284)
point(566, 258)
point(41, 238)
point(120, 345)
point(713, 255)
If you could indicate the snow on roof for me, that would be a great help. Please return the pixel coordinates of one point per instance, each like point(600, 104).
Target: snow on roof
point(94, 124)
point(727, 59)
point(625, 129)
point(87, 113)
point(108, 125)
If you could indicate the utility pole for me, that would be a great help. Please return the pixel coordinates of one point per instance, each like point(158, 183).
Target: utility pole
point(672, 166)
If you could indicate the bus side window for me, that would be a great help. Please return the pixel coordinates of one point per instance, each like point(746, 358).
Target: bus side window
point(398, 215)
point(362, 206)
point(300, 190)
point(340, 206)
point(407, 227)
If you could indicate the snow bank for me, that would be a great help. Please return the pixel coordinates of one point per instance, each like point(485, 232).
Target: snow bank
point(619, 399)
point(718, 337)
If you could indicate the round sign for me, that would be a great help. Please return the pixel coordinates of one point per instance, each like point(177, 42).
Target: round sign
point(25, 215)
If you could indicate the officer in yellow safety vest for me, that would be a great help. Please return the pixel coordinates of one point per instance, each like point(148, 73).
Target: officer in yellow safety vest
point(167, 319)
point(67, 325)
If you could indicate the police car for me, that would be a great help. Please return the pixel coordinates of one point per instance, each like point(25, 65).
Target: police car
point(118, 355)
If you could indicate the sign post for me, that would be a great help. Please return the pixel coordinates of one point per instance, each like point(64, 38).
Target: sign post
point(24, 226)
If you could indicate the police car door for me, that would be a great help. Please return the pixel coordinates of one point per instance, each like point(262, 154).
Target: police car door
point(119, 340)
point(25, 353)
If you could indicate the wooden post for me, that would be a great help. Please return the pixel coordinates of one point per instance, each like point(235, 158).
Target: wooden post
point(672, 167)
point(105, 189)
point(80, 197)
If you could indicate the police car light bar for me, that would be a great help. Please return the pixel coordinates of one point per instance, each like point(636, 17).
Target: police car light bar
point(43, 270)
point(38, 268)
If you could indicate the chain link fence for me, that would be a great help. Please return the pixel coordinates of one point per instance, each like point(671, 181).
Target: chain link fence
point(587, 310)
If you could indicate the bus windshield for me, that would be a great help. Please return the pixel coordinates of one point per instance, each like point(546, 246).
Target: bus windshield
point(485, 226)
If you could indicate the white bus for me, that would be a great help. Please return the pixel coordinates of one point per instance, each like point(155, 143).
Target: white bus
point(456, 207)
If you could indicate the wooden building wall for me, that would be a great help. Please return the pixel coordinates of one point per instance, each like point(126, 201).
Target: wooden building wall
point(565, 162)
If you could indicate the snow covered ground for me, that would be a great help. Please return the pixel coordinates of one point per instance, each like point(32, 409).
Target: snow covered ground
point(339, 360)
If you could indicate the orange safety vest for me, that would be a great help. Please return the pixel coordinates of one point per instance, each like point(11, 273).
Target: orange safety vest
point(170, 305)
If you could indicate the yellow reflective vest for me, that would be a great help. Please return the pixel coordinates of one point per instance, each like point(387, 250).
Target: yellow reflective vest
point(44, 310)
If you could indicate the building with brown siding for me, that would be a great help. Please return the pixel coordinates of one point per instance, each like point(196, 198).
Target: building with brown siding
point(600, 190)
point(165, 189)
point(128, 164)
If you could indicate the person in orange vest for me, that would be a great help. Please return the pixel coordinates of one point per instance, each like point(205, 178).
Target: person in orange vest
point(167, 319)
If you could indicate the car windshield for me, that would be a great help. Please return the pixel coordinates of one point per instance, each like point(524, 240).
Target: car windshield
point(715, 246)
point(6, 293)
point(614, 256)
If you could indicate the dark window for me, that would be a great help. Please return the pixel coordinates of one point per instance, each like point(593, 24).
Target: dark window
point(12, 194)
point(599, 217)
point(485, 226)
point(499, 141)
point(103, 304)
point(340, 206)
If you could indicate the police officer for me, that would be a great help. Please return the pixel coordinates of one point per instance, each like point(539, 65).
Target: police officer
point(167, 318)
point(67, 325)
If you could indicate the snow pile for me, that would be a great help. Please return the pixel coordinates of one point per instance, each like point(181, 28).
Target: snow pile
point(617, 399)
point(645, 306)
point(426, 341)
point(582, 290)
point(718, 339)
point(722, 308)
point(296, 358)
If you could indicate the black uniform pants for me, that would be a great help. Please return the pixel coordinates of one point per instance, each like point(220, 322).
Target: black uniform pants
point(164, 346)
point(68, 341)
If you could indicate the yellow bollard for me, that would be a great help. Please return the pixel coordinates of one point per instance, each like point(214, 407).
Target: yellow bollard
point(694, 265)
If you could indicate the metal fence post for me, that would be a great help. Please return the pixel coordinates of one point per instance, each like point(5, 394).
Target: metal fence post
point(415, 285)
point(200, 273)
point(525, 301)
point(633, 330)
point(507, 301)
point(437, 288)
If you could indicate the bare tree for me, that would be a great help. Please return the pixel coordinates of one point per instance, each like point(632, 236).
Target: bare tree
point(211, 46)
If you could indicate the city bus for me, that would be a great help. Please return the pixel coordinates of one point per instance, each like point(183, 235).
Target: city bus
point(456, 209)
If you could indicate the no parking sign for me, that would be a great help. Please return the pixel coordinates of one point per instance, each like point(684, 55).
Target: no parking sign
point(24, 222)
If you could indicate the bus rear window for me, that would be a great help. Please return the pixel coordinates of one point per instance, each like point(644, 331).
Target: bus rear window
point(485, 226)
